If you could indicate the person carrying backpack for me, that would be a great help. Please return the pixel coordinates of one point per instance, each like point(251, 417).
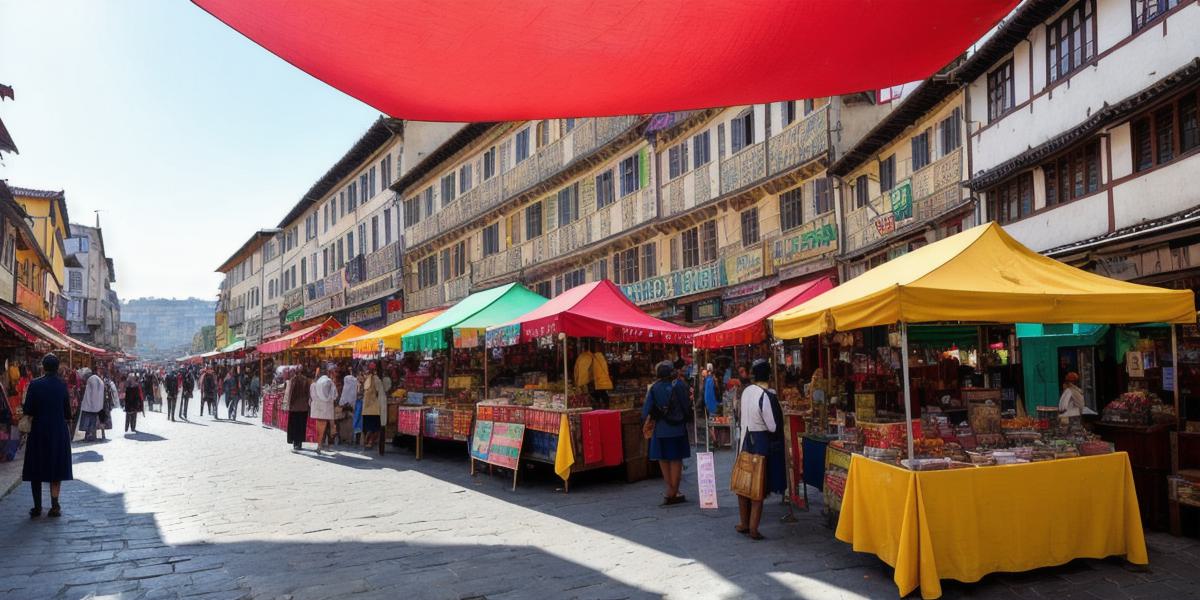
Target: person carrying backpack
point(762, 434)
point(665, 414)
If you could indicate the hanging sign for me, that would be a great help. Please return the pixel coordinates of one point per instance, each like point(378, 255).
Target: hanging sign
point(706, 478)
point(294, 315)
point(813, 238)
point(902, 201)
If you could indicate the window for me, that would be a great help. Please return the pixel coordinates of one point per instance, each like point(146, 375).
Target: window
point(350, 244)
point(303, 271)
point(412, 211)
point(708, 242)
point(385, 170)
point(568, 125)
point(742, 129)
point(788, 110)
point(363, 184)
point(352, 194)
point(373, 188)
point(427, 274)
point(542, 288)
point(489, 163)
point(342, 202)
point(631, 175)
point(887, 173)
point(649, 260)
point(1012, 200)
point(605, 194)
point(522, 144)
point(326, 221)
point(790, 212)
point(374, 233)
point(387, 226)
point(568, 205)
point(625, 267)
point(543, 133)
point(1189, 122)
point(341, 254)
point(574, 278)
point(533, 221)
point(459, 258)
point(76, 283)
point(700, 149)
point(862, 191)
point(677, 160)
point(325, 261)
point(749, 227)
point(823, 195)
point(1071, 40)
point(949, 132)
point(428, 198)
point(600, 270)
point(690, 241)
point(464, 178)
point(1001, 91)
point(448, 190)
point(920, 150)
point(362, 238)
point(491, 239)
point(312, 262)
point(1147, 11)
point(446, 265)
point(1073, 175)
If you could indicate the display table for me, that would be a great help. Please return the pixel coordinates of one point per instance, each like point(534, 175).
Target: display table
point(1149, 449)
point(409, 421)
point(965, 523)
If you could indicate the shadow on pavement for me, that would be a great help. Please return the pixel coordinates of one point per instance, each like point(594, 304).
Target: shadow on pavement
point(142, 436)
point(87, 456)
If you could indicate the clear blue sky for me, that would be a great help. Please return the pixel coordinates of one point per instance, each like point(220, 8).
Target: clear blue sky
point(185, 135)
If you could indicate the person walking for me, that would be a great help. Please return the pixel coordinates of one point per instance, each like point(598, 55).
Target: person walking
point(171, 382)
point(255, 397)
point(148, 390)
point(208, 392)
point(666, 411)
point(91, 406)
point(48, 446)
point(374, 403)
point(231, 386)
point(762, 434)
point(321, 407)
point(110, 400)
point(346, 402)
point(297, 394)
point(134, 403)
point(187, 383)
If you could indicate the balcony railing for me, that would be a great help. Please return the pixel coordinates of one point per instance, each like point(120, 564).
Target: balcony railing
point(690, 190)
point(936, 188)
point(796, 145)
point(546, 162)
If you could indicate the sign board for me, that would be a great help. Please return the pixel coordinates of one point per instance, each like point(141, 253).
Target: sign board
point(505, 447)
point(1168, 379)
point(902, 201)
point(706, 478)
point(481, 440)
point(294, 315)
point(745, 266)
point(1133, 364)
point(366, 313)
point(813, 238)
point(679, 283)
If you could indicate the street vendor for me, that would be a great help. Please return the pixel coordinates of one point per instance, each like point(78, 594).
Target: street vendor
point(1070, 403)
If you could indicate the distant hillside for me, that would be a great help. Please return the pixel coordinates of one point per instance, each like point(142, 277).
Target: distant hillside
point(165, 326)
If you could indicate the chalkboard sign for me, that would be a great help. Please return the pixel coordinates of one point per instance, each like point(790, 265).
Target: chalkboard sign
point(481, 440)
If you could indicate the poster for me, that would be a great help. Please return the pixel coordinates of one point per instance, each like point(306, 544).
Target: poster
point(1133, 364)
point(706, 478)
point(505, 448)
point(481, 441)
point(1168, 376)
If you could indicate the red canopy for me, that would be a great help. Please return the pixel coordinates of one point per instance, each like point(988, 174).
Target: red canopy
point(284, 342)
point(594, 310)
point(438, 60)
point(750, 327)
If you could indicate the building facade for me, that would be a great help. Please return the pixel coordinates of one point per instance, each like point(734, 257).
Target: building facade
point(164, 326)
point(41, 271)
point(127, 336)
point(93, 310)
point(241, 297)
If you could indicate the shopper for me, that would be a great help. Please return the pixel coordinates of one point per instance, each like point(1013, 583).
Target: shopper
point(134, 403)
point(346, 401)
point(188, 385)
point(667, 406)
point(110, 400)
point(762, 434)
point(297, 394)
point(255, 395)
point(208, 391)
point(91, 406)
point(231, 388)
point(148, 390)
point(48, 446)
point(171, 382)
point(374, 403)
point(321, 407)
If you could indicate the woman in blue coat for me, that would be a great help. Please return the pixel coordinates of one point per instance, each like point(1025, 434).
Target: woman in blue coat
point(48, 447)
point(668, 404)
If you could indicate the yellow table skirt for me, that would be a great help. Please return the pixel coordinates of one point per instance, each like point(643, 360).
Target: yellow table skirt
point(965, 523)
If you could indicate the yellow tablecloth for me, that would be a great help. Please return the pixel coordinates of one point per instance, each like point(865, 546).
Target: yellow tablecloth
point(963, 524)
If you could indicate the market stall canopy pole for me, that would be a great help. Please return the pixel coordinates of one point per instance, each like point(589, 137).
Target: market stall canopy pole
point(437, 60)
point(981, 275)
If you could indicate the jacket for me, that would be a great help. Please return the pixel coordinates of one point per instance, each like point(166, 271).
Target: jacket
point(374, 398)
point(298, 394)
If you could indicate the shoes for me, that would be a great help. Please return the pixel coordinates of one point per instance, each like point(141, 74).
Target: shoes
point(55, 511)
point(35, 512)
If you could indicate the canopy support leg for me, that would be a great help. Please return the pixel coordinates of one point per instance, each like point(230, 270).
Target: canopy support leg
point(1179, 416)
point(907, 388)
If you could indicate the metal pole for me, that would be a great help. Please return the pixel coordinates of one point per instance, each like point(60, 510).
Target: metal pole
point(907, 391)
point(566, 382)
point(1175, 373)
point(486, 352)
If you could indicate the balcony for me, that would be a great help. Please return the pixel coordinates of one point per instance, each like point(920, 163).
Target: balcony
point(936, 188)
point(420, 300)
point(799, 143)
point(547, 162)
point(690, 190)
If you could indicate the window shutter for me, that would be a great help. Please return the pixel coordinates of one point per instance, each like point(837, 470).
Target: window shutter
point(550, 213)
point(675, 253)
point(644, 167)
point(720, 141)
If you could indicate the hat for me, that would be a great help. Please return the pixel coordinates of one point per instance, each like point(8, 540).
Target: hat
point(1072, 377)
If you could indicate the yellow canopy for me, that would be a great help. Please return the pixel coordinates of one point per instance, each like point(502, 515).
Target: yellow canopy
point(350, 332)
point(391, 334)
point(981, 275)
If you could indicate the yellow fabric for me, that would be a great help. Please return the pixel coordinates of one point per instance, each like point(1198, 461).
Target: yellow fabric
point(564, 455)
point(368, 343)
point(981, 275)
point(583, 370)
point(965, 523)
point(600, 377)
point(373, 395)
point(349, 333)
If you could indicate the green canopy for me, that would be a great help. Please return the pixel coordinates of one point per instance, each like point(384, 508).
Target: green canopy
point(477, 311)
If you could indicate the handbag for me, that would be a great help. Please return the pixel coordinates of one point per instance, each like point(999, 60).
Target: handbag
point(648, 427)
point(26, 424)
point(748, 476)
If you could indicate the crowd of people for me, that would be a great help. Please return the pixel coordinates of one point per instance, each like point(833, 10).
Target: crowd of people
point(343, 401)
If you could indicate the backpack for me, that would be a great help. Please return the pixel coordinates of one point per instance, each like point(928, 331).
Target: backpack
point(676, 411)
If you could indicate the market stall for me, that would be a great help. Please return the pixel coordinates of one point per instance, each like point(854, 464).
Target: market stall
point(979, 276)
point(597, 325)
point(275, 409)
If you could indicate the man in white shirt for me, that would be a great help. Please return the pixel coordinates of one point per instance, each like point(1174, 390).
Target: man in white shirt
point(91, 405)
point(345, 423)
point(322, 396)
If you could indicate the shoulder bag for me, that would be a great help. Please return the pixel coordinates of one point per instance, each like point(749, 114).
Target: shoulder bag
point(749, 472)
point(26, 424)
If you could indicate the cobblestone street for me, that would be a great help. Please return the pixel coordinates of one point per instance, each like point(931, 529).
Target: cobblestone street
point(215, 509)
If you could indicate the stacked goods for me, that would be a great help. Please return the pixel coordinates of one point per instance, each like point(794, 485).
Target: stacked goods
point(1133, 408)
point(542, 420)
point(461, 424)
point(463, 382)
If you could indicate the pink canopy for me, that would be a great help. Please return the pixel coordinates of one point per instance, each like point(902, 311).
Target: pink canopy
point(306, 334)
point(440, 60)
point(594, 310)
point(750, 327)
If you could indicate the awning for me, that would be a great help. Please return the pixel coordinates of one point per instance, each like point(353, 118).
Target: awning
point(335, 340)
point(297, 337)
point(34, 326)
point(436, 60)
point(981, 275)
point(750, 327)
point(368, 343)
point(234, 347)
point(593, 310)
point(475, 310)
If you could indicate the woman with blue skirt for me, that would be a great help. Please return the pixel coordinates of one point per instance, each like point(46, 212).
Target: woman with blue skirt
point(762, 434)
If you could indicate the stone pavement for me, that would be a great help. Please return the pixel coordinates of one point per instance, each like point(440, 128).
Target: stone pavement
point(214, 509)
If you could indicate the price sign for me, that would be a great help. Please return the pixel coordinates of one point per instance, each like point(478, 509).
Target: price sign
point(706, 478)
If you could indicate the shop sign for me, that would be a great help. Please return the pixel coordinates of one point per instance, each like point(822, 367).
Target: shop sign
point(294, 315)
point(677, 284)
point(370, 290)
point(319, 307)
point(366, 313)
point(745, 266)
point(507, 335)
point(736, 307)
point(466, 337)
point(395, 310)
point(746, 289)
point(706, 310)
point(293, 299)
point(900, 201)
point(811, 239)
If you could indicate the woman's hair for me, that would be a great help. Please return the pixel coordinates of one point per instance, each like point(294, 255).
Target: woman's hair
point(665, 370)
point(760, 370)
point(50, 363)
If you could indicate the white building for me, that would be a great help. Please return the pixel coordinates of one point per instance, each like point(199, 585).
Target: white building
point(93, 310)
